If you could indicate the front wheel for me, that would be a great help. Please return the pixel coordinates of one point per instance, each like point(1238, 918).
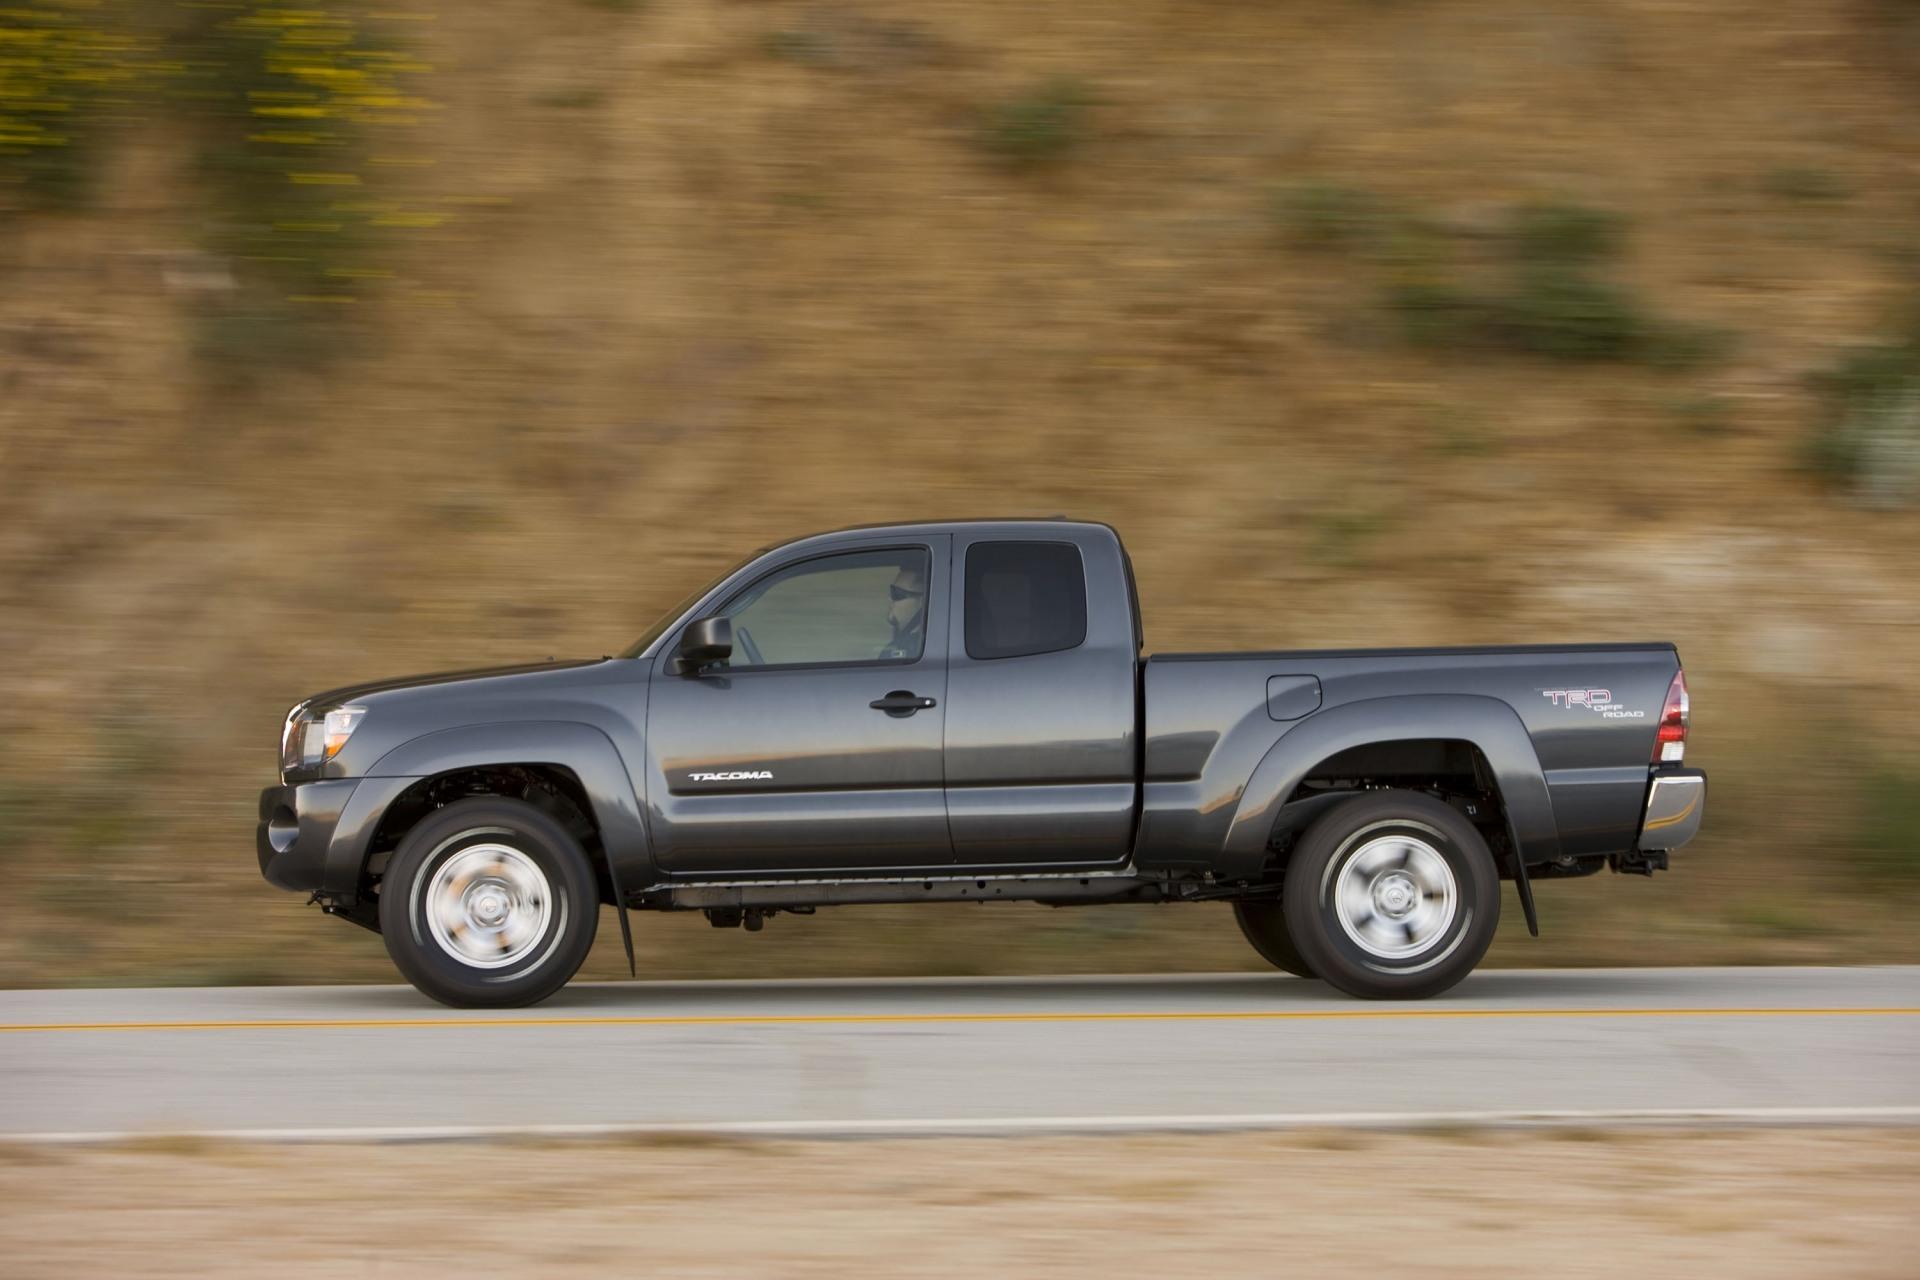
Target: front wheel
point(1392, 896)
point(488, 903)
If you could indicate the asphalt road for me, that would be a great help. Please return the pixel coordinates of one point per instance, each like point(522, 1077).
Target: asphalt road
point(967, 1055)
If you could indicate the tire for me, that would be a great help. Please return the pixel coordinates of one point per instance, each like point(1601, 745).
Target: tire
point(1392, 896)
point(489, 904)
point(1264, 925)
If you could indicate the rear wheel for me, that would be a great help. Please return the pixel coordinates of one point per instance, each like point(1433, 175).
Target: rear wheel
point(488, 903)
point(1264, 925)
point(1392, 896)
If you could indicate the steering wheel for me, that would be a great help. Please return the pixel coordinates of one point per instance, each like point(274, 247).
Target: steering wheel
point(744, 638)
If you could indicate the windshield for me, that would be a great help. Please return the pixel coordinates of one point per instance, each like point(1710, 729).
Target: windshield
point(667, 619)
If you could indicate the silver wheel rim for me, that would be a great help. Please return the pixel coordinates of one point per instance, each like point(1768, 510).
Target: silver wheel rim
point(488, 906)
point(1396, 897)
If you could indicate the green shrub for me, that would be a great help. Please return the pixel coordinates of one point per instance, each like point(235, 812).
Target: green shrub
point(1873, 446)
point(792, 44)
point(64, 65)
point(17, 808)
point(1568, 315)
point(1549, 299)
point(1670, 344)
point(1340, 538)
point(1793, 182)
point(1322, 215)
point(1867, 436)
point(1887, 840)
point(283, 101)
point(1438, 314)
point(1559, 314)
point(279, 100)
point(1565, 235)
point(1777, 918)
point(1040, 127)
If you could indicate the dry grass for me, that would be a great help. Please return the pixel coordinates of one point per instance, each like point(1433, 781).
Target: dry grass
point(1758, 1204)
point(748, 294)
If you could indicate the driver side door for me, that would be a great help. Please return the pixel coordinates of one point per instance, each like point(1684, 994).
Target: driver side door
point(779, 761)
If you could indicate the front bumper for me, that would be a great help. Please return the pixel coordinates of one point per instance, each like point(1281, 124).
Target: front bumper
point(1676, 801)
point(295, 831)
point(314, 837)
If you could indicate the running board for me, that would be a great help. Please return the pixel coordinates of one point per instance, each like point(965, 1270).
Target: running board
point(1090, 886)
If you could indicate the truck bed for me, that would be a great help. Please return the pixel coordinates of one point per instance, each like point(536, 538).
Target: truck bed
point(1581, 716)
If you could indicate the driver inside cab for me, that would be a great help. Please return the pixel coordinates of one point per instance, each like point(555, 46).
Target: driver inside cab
point(906, 614)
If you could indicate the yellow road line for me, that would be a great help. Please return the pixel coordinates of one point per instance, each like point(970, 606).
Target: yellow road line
point(816, 1019)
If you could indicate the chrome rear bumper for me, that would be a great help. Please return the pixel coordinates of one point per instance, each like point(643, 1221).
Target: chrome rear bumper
point(1675, 804)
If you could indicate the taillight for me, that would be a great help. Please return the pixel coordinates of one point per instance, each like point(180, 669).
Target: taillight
point(1670, 745)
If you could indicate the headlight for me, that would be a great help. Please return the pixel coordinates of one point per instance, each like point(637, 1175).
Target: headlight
point(340, 724)
point(293, 738)
point(307, 742)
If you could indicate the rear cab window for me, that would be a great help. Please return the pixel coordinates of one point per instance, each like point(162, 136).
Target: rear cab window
point(1024, 598)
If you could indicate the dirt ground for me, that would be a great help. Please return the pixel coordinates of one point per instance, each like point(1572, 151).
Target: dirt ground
point(709, 275)
point(1469, 1203)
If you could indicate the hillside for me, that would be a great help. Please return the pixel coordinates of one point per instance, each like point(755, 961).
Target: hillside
point(1405, 322)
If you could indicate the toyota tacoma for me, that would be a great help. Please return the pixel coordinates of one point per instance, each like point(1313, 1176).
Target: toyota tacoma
point(959, 712)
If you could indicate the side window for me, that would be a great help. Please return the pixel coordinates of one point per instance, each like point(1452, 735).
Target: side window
point(864, 606)
point(1024, 597)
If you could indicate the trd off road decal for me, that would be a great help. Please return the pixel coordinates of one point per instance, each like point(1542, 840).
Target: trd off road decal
point(1600, 700)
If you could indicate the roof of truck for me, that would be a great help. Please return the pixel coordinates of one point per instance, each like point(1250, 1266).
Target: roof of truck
point(923, 528)
point(966, 520)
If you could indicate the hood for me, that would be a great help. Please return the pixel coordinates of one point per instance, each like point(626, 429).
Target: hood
point(373, 689)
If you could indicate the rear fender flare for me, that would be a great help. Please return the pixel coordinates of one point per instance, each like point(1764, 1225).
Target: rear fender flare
point(1488, 723)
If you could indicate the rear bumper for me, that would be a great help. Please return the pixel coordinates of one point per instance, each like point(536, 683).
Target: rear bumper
point(1676, 801)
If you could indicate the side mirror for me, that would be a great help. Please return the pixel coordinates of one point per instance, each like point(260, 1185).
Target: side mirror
point(706, 642)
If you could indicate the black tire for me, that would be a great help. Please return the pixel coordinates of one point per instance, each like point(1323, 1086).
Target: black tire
point(1264, 925)
point(1407, 874)
point(547, 903)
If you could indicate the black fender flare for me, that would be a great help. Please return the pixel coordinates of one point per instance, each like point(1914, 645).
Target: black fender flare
point(1491, 725)
point(585, 751)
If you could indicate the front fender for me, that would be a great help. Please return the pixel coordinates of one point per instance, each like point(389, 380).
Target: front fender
point(1488, 723)
point(582, 749)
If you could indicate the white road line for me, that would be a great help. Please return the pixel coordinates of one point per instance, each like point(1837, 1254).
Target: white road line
point(1409, 1121)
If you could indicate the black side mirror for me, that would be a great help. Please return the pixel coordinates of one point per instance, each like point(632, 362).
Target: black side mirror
point(706, 642)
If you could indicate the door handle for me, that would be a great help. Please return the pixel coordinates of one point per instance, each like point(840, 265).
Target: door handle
point(901, 702)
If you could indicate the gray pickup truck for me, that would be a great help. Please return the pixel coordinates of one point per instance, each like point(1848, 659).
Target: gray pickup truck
point(959, 712)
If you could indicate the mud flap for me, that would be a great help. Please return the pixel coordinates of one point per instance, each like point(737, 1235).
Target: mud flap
point(1524, 887)
point(626, 937)
point(620, 910)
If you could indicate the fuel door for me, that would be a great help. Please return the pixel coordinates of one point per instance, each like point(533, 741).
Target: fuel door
point(1290, 697)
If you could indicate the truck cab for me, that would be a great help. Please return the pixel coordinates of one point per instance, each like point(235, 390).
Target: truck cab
point(903, 700)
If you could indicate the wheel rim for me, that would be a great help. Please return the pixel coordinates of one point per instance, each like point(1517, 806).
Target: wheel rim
point(1396, 897)
point(488, 906)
